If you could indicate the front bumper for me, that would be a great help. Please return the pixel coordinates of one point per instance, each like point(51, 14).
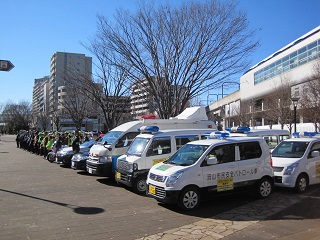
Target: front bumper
point(78, 164)
point(124, 178)
point(66, 159)
point(285, 180)
point(162, 195)
point(99, 169)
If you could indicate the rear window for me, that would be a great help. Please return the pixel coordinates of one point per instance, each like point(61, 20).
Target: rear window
point(249, 150)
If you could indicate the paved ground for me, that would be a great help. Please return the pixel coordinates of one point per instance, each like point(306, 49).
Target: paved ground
point(284, 215)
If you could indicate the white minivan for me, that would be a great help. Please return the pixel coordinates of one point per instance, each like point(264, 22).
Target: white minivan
point(149, 148)
point(272, 136)
point(103, 156)
point(296, 162)
point(207, 168)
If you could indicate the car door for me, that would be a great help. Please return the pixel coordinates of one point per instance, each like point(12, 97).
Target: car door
point(313, 164)
point(250, 161)
point(220, 177)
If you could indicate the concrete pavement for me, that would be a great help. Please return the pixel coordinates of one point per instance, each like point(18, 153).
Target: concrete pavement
point(285, 215)
point(282, 216)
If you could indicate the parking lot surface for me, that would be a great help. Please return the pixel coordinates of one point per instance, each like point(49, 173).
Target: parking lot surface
point(41, 200)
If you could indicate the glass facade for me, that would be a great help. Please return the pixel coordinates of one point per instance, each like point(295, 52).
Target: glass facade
point(295, 59)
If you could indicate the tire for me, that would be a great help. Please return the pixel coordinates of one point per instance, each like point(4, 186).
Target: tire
point(51, 158)
point(264, 188)
point(302, 183)
point(140, 185)
point(189, 198)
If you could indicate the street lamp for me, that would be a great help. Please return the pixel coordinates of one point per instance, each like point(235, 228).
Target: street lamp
point(295, 104)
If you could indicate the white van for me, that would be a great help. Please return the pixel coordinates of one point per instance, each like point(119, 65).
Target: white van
point(103, 156)
point(149, 148)
point(207, 168)
point(272, 136)
point(296, 162)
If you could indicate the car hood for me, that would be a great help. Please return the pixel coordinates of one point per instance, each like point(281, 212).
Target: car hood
point(163, 169)
point(283, 162)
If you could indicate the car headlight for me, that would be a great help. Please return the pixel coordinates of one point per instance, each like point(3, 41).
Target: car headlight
point(173, 178)
point(289, 170)
point(105, 159)
point(61, 154)
point(79, 157)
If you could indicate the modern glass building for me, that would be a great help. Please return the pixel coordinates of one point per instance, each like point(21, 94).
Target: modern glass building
point(291, 64)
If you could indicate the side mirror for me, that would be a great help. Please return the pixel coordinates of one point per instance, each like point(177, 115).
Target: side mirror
point(212, 161)
point(315, 154)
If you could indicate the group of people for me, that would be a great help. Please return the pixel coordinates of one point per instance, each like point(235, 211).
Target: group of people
point(41, 143)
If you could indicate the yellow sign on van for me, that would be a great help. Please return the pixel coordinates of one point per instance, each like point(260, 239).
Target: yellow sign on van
point(225, 184)
point(155, 161)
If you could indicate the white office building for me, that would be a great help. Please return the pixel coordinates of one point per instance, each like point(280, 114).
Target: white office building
point(293, 64)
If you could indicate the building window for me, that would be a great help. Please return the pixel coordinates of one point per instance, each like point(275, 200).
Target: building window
point(291, 61)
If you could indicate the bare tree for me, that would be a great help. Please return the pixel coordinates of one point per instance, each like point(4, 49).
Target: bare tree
point(310, 97)
point(17, 116)
point(110, 88)
point(76, 101)
point(277, 104)
point(42, 120)
point(241, 114)
point(179, 50)
point(56, 120)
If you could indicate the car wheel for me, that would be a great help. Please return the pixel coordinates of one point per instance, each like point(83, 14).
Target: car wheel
point(140, 185)
point(189, 198)
point(51, 158)
point(264, 188)
point(302, 183)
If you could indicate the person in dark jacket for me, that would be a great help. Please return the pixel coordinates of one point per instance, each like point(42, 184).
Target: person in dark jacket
point(76, 143)
point(18, 140)
point(59, 142)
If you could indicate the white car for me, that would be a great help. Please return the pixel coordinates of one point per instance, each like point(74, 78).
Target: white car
point(206, 168)
point(296, 162)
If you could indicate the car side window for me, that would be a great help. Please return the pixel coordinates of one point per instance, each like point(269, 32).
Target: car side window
point(223, 153)
point(159, 146)
point(182, 140)
point(249, 150)
point(126, 139)
point(315, 147)
point(272, 141)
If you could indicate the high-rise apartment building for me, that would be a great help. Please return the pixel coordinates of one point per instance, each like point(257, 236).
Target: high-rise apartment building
point(40, 101)
point(64, 66)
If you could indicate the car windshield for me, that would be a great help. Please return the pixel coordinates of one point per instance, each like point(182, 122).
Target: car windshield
point(290, 149)
point(111, 137)
point(88, 143)
point(187, 155)
point(137, 146)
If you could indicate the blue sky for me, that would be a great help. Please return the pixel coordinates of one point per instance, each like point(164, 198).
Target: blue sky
point(32, 31)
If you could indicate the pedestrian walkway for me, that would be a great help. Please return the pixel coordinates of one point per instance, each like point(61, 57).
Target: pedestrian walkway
point(261, 219)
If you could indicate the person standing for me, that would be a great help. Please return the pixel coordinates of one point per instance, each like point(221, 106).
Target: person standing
point(18, 139)
point(76, 143)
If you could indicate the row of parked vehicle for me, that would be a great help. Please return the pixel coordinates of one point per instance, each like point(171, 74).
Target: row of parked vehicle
point(185, 159)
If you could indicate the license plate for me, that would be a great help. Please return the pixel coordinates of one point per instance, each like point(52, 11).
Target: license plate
point(152, 189)
point(118, 175)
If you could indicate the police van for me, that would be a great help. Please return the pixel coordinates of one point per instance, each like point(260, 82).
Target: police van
point(296, 161)
point(272, 136)
point(212, 167)
point(149, 148)
point(103, 156)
